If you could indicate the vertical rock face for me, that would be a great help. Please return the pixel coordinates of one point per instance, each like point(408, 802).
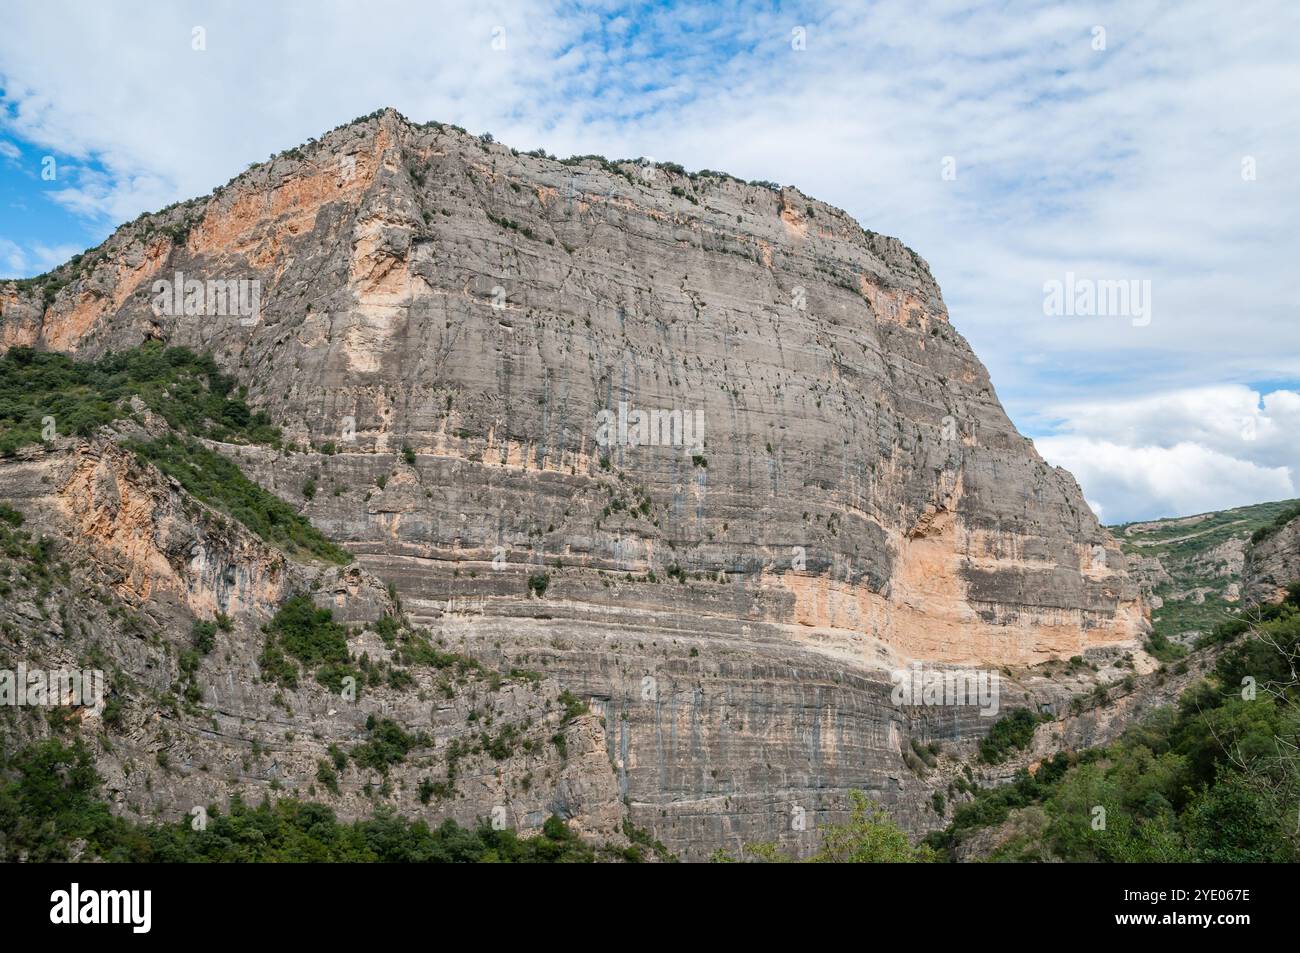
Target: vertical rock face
point(1272, 563)
point(452, 329)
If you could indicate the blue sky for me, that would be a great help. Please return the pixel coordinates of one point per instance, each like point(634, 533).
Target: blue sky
point(1107, 140)
point(36, 231)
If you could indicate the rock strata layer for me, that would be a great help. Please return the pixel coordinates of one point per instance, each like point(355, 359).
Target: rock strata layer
point(458, 339)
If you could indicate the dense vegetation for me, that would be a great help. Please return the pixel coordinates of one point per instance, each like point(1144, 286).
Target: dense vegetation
point(1011, 732)
point(43, 395)
point(212, 478)
point(1215, 778)
point(304, 635)
point(49, 801)
point(184, 388)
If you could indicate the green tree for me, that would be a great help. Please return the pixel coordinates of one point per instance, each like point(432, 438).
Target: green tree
point(869, 837)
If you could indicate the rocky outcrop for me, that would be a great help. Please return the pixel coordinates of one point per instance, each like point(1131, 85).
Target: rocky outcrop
point(1272, 564)
point(144, 561)
point(444, 325)
point(1194, 570)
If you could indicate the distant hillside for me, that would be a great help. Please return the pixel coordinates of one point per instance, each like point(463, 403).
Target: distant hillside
point(1190, 568)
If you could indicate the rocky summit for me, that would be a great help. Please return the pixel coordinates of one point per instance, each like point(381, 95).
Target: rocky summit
point(634, 490)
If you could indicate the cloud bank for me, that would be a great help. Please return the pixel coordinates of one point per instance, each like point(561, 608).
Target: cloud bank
point(1010, 143)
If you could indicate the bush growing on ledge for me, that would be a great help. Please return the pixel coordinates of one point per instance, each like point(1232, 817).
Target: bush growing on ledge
point(1013, 731)
point(215, 480)
point(304, 632)
point(387, 745)
point(327, 776)
point(573, 706)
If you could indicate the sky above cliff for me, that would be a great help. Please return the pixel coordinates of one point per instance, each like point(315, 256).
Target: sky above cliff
point(1151, 146)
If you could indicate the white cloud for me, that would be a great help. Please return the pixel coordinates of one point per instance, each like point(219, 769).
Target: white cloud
point(12, 257)
point(1180, 452)
point(1130, 483)
point(36, 258)
point(1230, 419)
point(45, 257)
point(166, 121)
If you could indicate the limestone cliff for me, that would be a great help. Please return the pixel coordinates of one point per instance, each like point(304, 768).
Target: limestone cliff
point(442, 326)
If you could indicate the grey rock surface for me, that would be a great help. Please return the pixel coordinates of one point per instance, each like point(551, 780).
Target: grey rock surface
point(443, 321)
point(1272, 564)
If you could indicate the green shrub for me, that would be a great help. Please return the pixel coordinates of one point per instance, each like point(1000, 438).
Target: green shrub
point(309, 632)
point(573, 706)
point(212, 478)
point(302, 631)
point(386, 745)
point(184, 388)
point(327, 776)
point(50, 800)
point(1013, 731)
point(204, 635)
